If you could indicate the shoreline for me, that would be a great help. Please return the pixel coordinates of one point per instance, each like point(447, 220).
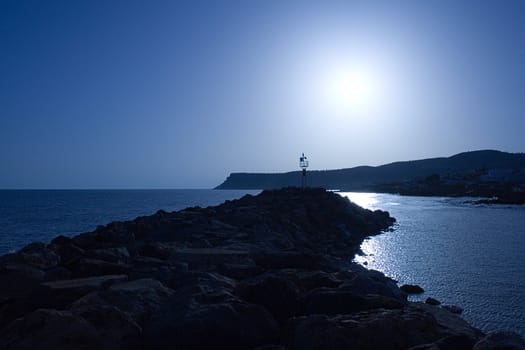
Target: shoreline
point(276, 265)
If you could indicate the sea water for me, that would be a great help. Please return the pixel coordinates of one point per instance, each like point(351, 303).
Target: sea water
point(463, 254)
point(40, 215)
point(460, 253)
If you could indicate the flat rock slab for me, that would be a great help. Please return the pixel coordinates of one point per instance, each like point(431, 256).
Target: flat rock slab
point(58, 294)
point(96, 282)
point(199, 256)
point(210, 251)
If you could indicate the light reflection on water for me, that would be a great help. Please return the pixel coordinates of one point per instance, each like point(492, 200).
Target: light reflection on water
point(462, 254)
point(365, 200)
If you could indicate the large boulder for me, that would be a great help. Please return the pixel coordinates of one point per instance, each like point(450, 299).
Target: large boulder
point(370, 330)
point(116, 329)
point(19, 280)
point(115, 234)
point(361, 281)
point(138, 298)
point(154, 250)
point(86, 267)
point(20, 276)
point(204, 313)
point(69, 252)
point(232, 325)
point(296, 260)
point(308, 280)
point(450, 325)
point(13, 308)
point(501, 341)
point(59, 294)
point(119, 255)
point(330, 301)
point(47, 329)
point(50, 330)
point(411, 289)
point(239, 270)
point(162, 270)
point(278, 295)
point(36, 255)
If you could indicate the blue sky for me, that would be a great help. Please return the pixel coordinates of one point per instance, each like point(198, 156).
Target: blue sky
point(169, 94)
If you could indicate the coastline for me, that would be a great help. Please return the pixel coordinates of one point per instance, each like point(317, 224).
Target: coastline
point(275, 266)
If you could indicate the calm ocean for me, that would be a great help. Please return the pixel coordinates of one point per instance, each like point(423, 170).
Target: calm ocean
point(27, 215)
point(462, 254)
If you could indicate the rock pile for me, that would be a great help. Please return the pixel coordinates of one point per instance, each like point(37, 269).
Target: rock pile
point(270, 271)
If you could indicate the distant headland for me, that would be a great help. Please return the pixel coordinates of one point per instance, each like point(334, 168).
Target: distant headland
point(484, 173)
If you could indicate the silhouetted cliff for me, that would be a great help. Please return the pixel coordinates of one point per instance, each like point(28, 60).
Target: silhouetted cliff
point(486, 166)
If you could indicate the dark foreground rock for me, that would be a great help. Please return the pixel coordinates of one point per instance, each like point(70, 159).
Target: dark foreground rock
point(412, 289)
point(501, 340)
point(269, 272)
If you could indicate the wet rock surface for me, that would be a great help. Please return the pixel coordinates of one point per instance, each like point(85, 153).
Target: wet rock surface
point(412, 289)
point(270, 271)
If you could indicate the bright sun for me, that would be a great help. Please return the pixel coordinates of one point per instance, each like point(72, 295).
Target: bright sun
point(346, 90)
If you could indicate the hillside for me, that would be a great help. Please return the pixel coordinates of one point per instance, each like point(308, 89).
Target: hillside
point(467, 165)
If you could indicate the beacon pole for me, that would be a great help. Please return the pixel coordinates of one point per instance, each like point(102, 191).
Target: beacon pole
point(303, 164)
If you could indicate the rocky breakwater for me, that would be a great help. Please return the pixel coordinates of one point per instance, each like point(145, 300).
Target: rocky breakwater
point(270, 272)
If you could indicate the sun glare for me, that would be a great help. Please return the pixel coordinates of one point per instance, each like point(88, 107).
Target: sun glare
point(347, 89)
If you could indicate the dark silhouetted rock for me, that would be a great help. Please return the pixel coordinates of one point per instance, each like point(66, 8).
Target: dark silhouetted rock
point(50, 330)
point(453, 308)
point(18, 280)
point(45, 329)
point(69, 253)
point(57, 273)
point(333, 301)
point(59, 294)
point(375, 329)
point(501, 341)
point(432, 301)
point(61, 240)
point(449, 324)
point(361, 281)
point(36, 255)
point(162, 270)
point(203, 281)
point(14, 308)
point(138, 298)
point(392, 178)
point(270, 347)
point(154, 250)
point(412, 289)
point(201, 316)
point(454, 342)
point(294, 259)
point(116, 329)
point(271, 271)
point(239, 271)
point(278, 295)
point(94, 267)
point(118, 255)
point(309, 280)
